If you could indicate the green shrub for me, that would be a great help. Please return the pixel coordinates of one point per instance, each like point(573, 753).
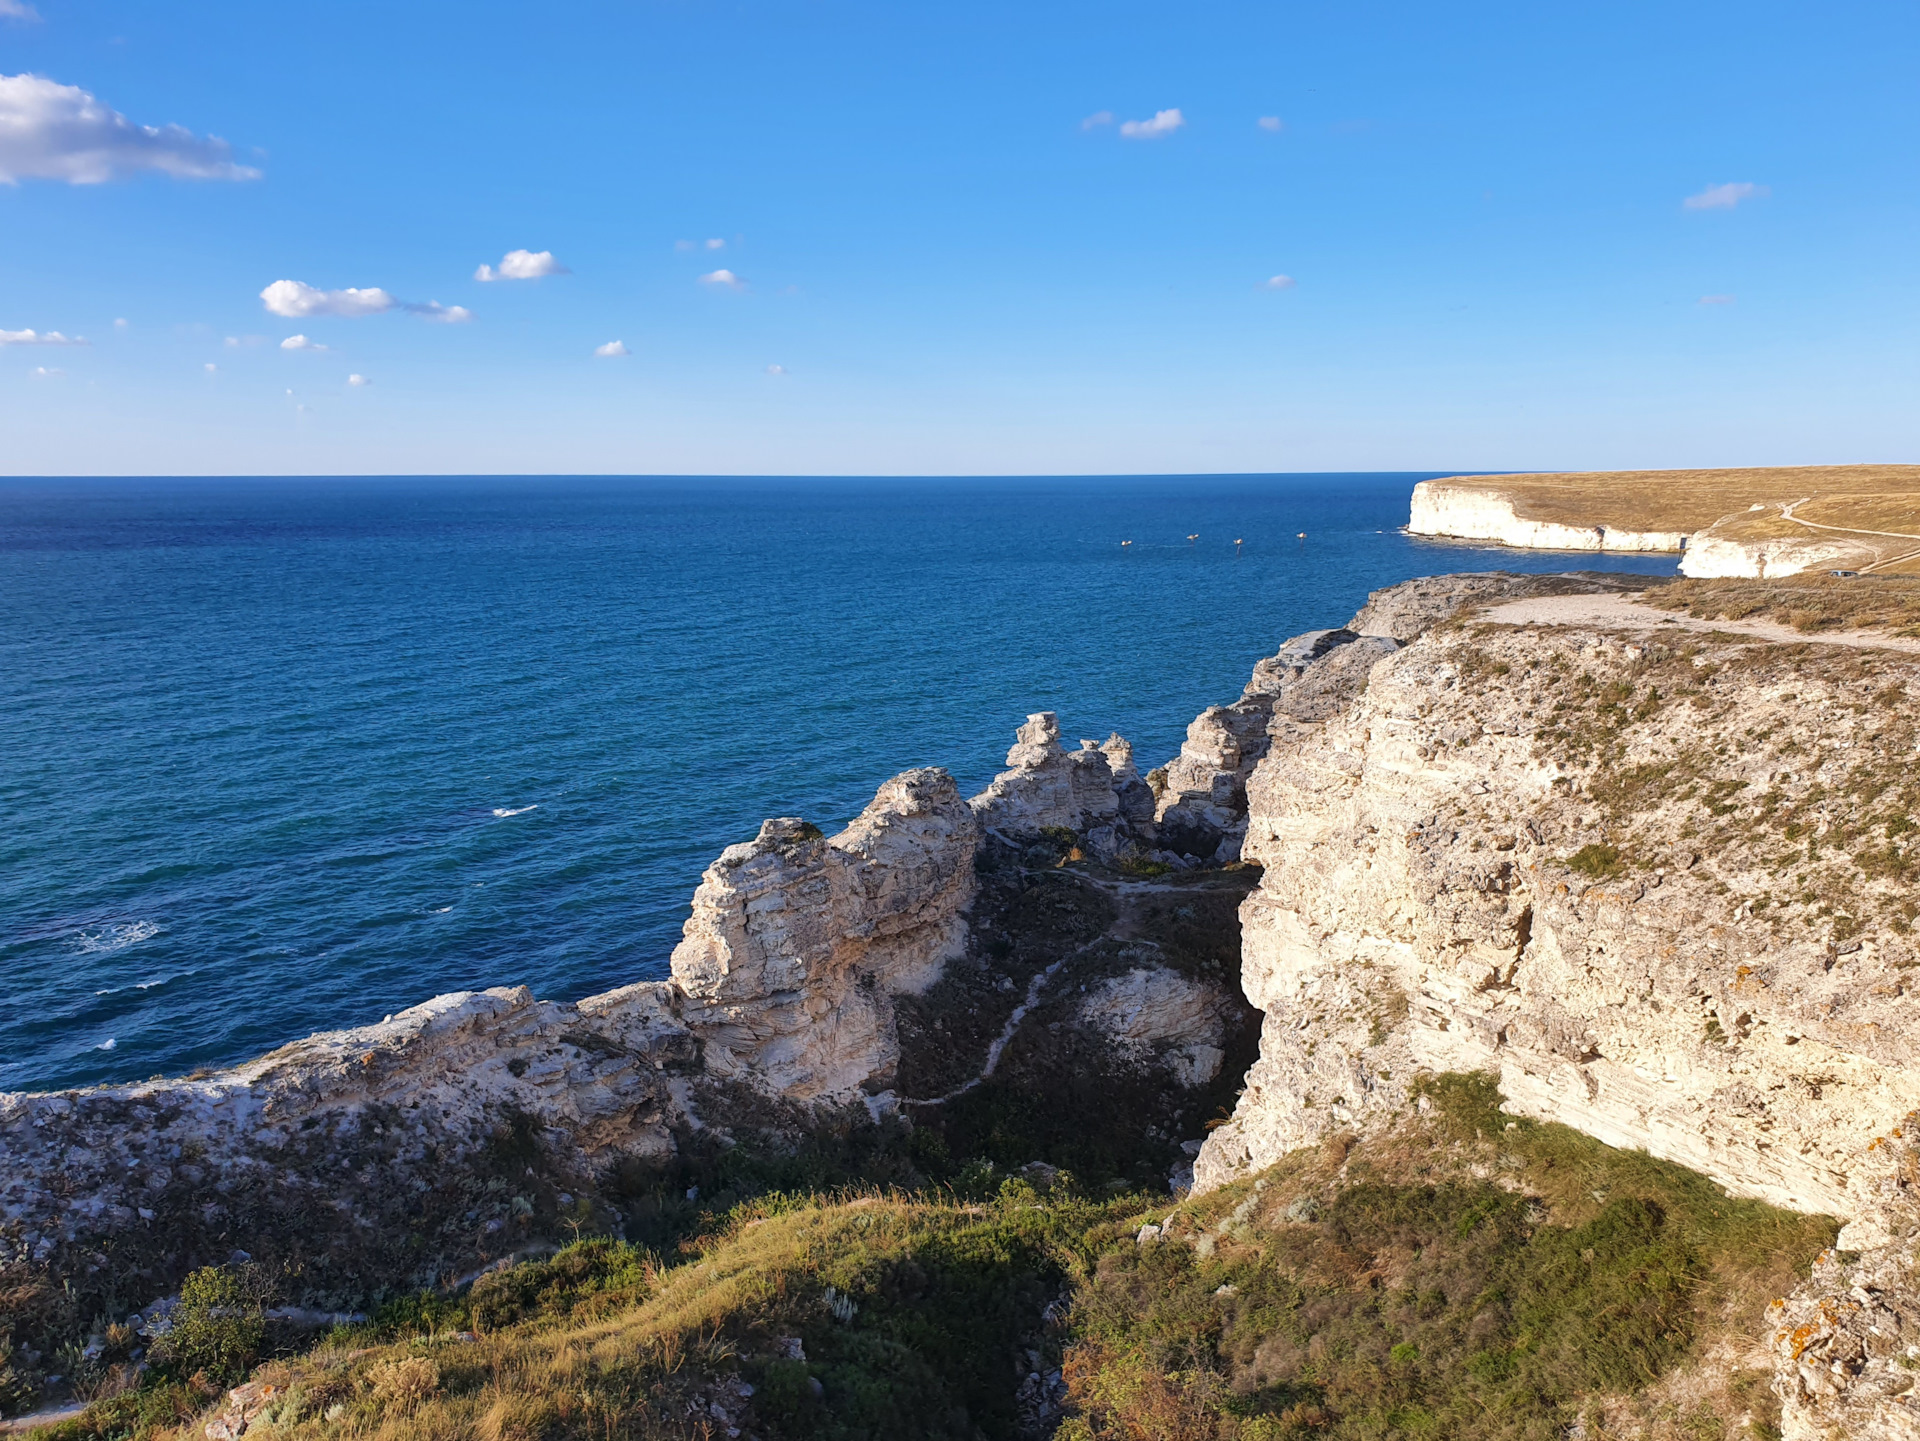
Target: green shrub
point(1601, 862)
point(551, 1289)
point(220, 1325)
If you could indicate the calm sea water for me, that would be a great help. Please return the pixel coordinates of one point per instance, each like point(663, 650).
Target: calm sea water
point(279, 756)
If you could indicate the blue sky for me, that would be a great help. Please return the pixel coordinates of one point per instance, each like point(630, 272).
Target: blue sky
point(940, 265)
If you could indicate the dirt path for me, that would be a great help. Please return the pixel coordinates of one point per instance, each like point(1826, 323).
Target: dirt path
point(1786, 513)
point(49, 1416)
point(1618, 611)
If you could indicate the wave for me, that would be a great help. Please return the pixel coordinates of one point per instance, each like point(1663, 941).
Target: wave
point(156, 981)
point(106, 1045)
point(503, 812)
point(115, 938)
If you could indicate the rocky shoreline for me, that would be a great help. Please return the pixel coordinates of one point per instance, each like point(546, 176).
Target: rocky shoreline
point(1585, 856)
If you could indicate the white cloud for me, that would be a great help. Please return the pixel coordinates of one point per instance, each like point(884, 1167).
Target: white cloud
point(1724, 197)
point(723, 278)
point(776, 370)
point(357, 380)
point(50, 131)
point(1164, 122)
point(297, 300)
point(1278, 282)
point(300, 342)
point(612, 349)
point(1097, 119)
point(1272, 124)
point(440, 314)
point(120, 323)
point(716, 244)
point(47, 372)
point(211, 368)
point(1716, 300)
point(34, 337)
point(17, 10)
point(523, 265)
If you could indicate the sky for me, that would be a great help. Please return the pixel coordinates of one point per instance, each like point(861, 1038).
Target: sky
point(819, 237)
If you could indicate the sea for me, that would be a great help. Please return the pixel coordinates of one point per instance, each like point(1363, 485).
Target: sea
point(279, 756)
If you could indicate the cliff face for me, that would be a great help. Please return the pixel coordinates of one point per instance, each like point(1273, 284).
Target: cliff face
point(1470, 513)
point(410, 1152)
point(1754, 523)
point(1603, 864)
point(1655, 877)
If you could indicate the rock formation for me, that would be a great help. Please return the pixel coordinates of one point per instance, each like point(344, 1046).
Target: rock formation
point(1653, 875)
point(1155, 1013)
point(1202, 810)
point(1047, 787)
point(797, 942)
point(1752, 522)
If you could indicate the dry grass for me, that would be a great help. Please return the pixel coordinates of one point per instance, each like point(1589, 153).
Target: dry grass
point(1808, 603)
point(1692, 500)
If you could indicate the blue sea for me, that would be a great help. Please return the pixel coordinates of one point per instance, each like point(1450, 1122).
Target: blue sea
point(279, 756)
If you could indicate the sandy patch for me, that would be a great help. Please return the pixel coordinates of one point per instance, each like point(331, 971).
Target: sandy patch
point(1617, 612)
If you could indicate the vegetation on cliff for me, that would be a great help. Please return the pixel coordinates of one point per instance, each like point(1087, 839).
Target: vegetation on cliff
point(1462, 1274)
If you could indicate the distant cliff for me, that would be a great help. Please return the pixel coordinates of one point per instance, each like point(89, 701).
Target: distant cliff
point(1724, 523)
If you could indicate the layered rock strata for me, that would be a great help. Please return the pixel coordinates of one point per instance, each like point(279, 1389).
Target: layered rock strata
point(1752, 522)
point(1202, 793)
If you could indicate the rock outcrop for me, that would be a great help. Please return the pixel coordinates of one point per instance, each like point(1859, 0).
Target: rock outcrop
point(1202, 810)
point(1748, 522)
point(1845, 1343)
point(1047, 787)
point(797, 942)
point(1752, 544)
point(1155, 1013)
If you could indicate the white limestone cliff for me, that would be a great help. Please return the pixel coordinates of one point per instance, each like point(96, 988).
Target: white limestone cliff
point(367, 1136)
point(1153, 1013)
point(1448, 508)
point(1722, 550)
